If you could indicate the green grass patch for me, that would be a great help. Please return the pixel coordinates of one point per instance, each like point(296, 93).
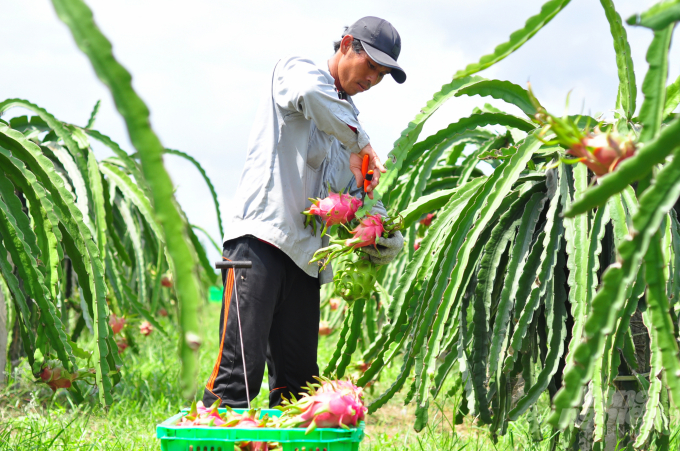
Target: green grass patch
point(33, 418)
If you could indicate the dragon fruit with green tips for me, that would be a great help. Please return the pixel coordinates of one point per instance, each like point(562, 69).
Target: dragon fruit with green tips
point(337, 208)
point(53, 373)
point(249, 420)
point(330, 404)
point(367, 232)
point(199, 415)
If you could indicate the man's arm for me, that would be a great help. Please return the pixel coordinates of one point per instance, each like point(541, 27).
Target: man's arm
point(301, 87)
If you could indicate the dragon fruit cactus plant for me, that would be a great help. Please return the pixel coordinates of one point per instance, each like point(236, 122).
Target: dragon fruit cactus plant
point(337, 208)
point(330, 404)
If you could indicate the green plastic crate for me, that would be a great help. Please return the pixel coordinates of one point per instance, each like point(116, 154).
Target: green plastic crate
point(175, 438)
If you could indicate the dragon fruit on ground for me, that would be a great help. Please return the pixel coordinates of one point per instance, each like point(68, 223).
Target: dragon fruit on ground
point(337, 208)
point(331, 404)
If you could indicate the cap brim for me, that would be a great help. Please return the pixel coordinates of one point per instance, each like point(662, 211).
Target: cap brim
point(384, 59)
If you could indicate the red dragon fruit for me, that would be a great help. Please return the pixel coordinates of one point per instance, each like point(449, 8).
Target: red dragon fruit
point(166, 280)
point(116, 323)
point(333, 404)
point(337, 208)
point(199, 415)
point(427, 220)
point(368, 232)
point(334, 303)
point(362, 366)
point(56, 376)
point(602, 152)
point(145, 328)
point(248, 420)
point(122, 345)
point(325, 328)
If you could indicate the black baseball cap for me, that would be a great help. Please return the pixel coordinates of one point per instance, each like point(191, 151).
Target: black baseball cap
point(381, 42)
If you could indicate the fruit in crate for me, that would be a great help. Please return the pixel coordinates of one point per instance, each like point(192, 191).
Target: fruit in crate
point(329, 404)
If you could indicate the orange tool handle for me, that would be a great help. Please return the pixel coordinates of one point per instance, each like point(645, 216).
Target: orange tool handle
point(364, 170)
point(367, 179)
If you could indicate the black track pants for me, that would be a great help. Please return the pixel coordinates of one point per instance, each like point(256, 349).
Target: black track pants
point(279, 305)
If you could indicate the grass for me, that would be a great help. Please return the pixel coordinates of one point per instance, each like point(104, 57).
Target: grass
point(32, 418)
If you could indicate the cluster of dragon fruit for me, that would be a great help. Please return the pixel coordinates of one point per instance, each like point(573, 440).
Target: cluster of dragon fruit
point(339, 209)
point(356, 277)
point(53, 373)
point(328, 404)
point(117, 324)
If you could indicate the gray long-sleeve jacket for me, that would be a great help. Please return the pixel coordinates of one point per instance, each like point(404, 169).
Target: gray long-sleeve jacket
point(298, 147)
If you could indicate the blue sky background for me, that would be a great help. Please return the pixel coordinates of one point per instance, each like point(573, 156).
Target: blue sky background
point(201, 66)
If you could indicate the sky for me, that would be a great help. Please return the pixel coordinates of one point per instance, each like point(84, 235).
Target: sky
point(202, 66)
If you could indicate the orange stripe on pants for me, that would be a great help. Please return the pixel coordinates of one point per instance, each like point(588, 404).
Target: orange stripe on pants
point(228, 287)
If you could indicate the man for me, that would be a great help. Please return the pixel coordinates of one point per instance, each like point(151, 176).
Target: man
point(306, 137)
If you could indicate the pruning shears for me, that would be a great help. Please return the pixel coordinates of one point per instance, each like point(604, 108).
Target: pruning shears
point(368, 176)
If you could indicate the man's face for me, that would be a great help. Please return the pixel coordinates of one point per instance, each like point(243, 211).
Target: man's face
point(357, 72)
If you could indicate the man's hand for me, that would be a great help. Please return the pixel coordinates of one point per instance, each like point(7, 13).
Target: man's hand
point(387, 249)
point(374, 164)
